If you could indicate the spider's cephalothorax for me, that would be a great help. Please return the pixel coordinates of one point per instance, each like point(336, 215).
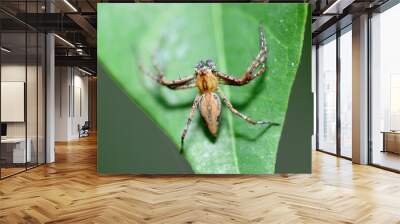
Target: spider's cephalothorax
point(207, 79)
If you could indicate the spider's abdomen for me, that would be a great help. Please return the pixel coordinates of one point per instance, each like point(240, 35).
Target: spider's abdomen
point(207, 82)
point(210, 110)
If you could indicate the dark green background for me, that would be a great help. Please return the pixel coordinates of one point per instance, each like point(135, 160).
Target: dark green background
point(130, 139)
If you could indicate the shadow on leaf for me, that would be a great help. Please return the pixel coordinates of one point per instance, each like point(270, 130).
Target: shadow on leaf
point(254, 137)
point(259, 85)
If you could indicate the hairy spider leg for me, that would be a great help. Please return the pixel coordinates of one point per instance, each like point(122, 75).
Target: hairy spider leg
point(182, 83)
point(250, 73)
point(189, 120)
point(185, 86)
point(244, 117)
point(172, 84)
point(261, 56)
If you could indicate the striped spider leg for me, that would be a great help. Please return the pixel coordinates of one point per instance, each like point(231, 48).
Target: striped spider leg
point(241, 115)
point(189, 120)
point(182, 83)
point(251, 72)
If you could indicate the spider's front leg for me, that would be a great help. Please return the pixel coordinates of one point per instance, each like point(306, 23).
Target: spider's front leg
point(251, 72)
point(247, 77)
point(244, 117)
point(183, 83)
point(189, 120)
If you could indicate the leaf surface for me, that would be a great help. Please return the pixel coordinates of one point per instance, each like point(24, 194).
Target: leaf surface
point(182, 35)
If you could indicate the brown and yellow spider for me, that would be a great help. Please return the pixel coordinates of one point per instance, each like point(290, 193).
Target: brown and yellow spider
point(207, 79)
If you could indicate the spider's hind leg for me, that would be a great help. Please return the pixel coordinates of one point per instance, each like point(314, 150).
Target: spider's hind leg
point(189, 120)
point(244, 117)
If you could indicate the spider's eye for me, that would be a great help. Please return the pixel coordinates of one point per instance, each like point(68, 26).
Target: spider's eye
point(210, 64)
point(200, 64)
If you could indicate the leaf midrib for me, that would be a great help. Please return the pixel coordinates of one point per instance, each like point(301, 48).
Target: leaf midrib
point(216, 13)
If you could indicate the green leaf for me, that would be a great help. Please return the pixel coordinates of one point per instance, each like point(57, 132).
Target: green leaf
point(183, 34)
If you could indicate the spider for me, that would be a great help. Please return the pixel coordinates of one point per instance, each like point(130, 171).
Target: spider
point(207, 79)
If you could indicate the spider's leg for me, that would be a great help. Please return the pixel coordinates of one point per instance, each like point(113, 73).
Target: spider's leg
point(189, 120)
point(251, 72)
point(183, 83)
point(174, 84)
point(244, 117)
point(157, 66)
point(186, 86)
point(229, 80)
point(262, 54)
